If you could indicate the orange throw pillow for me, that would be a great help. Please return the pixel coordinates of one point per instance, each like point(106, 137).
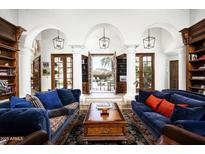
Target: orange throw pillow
point(166, 108)
point(153, 102)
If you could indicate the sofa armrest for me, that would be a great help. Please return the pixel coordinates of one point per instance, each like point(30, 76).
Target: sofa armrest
point(171, 134)
point(5, 105)
point(194, 126)
point(37, 138)
point(23, 121)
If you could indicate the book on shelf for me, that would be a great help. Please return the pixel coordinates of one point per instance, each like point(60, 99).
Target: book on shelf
point(198, 77)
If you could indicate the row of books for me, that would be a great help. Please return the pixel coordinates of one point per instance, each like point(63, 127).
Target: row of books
point(7, 71)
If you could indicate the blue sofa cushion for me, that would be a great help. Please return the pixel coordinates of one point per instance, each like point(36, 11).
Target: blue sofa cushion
point(179, 99)
point(162, 95)
point(155, 120)
point(143, 95)
point(139, 108)
point(16, 102)
point(23, 121)
point(182, 113)
point(76, 94)
point(66, 96)
point(50, 99)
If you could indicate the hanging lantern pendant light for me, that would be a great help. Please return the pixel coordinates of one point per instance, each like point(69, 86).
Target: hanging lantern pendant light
point(104, 42)
point(149, 41)
point(58, 43)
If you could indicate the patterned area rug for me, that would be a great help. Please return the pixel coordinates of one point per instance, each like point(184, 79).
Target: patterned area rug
point(137, 134)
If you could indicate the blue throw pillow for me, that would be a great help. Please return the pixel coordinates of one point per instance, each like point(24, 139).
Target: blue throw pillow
point(143, 95)
point(50, 99)
point(185, 113)
point(179, 99)
point(16, 102)
point(162, 95)
point(66, 96)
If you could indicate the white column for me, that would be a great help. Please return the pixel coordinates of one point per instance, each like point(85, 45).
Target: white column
point(182, 68)
point(77, 67)
point(131, 73)
point(25, 71)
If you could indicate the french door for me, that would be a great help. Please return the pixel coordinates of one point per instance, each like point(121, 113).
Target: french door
point(144, 71)
point(62, 71)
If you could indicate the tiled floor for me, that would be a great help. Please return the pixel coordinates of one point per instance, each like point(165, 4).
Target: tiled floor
point(104, 97)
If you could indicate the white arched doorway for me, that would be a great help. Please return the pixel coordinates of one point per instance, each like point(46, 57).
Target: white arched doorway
point(169, 47)
point(102, 75)
point(25, 57)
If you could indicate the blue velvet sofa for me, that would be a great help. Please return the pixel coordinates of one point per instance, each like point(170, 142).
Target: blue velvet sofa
point(155, 121)
point(24, 121)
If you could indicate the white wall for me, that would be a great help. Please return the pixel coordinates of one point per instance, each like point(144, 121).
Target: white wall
point(10, 15)
point(92, 40)
point(196, 15)
point(76, 23)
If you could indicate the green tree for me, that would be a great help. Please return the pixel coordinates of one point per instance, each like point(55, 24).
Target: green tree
point(106, 61)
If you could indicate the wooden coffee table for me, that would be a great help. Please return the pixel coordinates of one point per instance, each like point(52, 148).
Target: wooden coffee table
point(99, 127)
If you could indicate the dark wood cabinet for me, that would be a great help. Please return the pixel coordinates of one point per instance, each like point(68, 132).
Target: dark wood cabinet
point(194, 40)
point(85, 84)
point(121, 74)
point(37, 74)
point(9, 36)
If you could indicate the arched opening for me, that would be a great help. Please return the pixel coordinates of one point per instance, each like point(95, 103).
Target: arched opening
point(36, 46)
point(166, 50)
point(96, 32)
point(103, 61)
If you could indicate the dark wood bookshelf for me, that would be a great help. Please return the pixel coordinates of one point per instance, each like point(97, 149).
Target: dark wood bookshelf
point(2, 66)
point(197, 88)
point(197, 70)
point(7, 58)
point(194, 40)
point(9, 36)
point(5, 76)
point(121, 86)
point(198, 51)
point(197, 60)
point(85, 83)
point(197, 79)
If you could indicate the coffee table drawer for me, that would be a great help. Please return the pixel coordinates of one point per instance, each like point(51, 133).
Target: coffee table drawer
point(104, 131)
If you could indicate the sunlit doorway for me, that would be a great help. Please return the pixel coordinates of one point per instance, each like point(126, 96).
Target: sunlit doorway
point(102, 73)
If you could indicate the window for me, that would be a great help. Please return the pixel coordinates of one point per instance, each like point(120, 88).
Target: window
point(145, 71)
point(62, 71)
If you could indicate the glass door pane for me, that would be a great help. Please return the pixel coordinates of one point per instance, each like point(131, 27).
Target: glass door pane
point(137, 66)
point(62, 71)
point(58, 72)
point(147, 72)
point(69, 72)
point(144, 71)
